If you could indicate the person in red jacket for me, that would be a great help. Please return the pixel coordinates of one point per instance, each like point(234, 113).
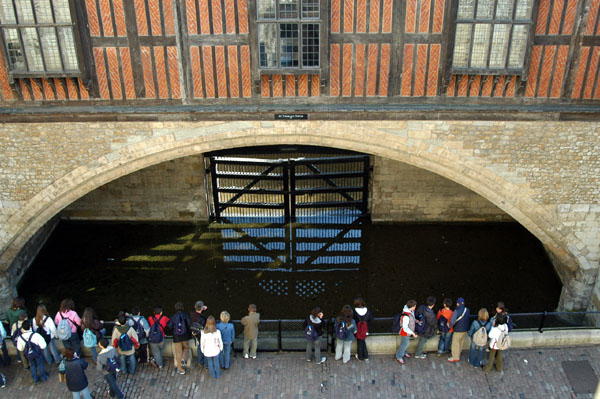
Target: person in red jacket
point(157, 343)
point(444, 327)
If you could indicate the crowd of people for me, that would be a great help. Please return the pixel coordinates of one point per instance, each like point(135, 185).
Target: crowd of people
point(136, 339)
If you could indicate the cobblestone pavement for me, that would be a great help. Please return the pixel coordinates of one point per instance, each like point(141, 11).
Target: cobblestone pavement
point(529, 374)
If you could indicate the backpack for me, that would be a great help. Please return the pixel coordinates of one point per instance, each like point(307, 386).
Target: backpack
point(63, 330)
point(16, 334)
point(156, 335)
point(341, 331)
point(480, 336)
point(125, 343)
point(179, 324)
point(503, 342)
point(62, 366)
point(361, 330)
point(443, 324)
point(396, 324)
point(89, 338)
point(310, 333)
point(32, 350)
point(40, 330)
point(113, 365)
point(421, 324)
point(139, 328)
point(196, 330)
point(2, 332)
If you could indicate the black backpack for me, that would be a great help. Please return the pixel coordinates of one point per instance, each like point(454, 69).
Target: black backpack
point(32, 350)
point(443, 324)
point(139, 328)
point(40, 330)
point(113, 365)
point(420, 323)
point(179, 324)
point(156, 334)
point(397, 323)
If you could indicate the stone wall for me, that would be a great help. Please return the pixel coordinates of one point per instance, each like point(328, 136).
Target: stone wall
point(170, 191)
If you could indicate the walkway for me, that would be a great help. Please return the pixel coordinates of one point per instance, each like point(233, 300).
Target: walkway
point(528, 374)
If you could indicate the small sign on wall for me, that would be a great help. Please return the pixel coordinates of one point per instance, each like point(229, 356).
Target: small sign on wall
point(290, 117)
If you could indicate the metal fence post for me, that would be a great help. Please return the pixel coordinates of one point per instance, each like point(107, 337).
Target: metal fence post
point(279, 341)
point(541, 329)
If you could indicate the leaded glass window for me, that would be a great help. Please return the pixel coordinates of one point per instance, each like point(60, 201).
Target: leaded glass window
point(288, 33)
point(38, 37)
point(492, 36)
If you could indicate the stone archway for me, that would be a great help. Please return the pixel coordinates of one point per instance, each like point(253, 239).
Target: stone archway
point(409, 142)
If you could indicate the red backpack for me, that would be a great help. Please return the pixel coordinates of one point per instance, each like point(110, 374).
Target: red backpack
point(361, 330)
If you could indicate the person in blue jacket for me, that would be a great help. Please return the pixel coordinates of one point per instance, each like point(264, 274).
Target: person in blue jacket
point(460, 323)
point(227, 336)
point(77, 382)
point(476, 351)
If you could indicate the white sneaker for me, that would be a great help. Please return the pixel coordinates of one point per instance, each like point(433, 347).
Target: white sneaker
point(246, 356)
point(253, 357)
point(323, 359)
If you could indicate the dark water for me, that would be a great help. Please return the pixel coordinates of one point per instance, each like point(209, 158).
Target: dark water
point(111, 266)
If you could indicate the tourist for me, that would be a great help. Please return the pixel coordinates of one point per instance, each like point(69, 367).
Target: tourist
point(345, 328)
point(77, 382)
point(181, 325)
point(250, 324)
point(427, 325)
point(44, 325)
point(314, 324)
point(407, 330)
point(15, 333)
point(212, 345)
point(460, 323)
point(142, 328)
point(32, 345)
point(363, 318)
point(12, 317)
point(444, 316)
point(197, 316)
point(106, 355)
point(478, 333)
point(126, 340)
point(156, 337)
point(95, 327)
point(501, 308)
point(4, 359)
point(227, 335)
point(496, 334)
point(67, 331)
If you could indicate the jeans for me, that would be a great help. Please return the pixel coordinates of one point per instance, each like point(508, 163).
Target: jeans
point(403, 346)
point(85, 392)
point(50, 353)
point(157, 352)
point(342, 350)
point(74, 343)
point(309, 349)
point(200, 355)
point(113, 388)
point(444, 344)
point(422, 341)
point(38, 372)
point(476, 355)
point(132, 363)
point(225, 355)
point(213, 366)
point(94, 353)
point(361, 349)
point(4, 359)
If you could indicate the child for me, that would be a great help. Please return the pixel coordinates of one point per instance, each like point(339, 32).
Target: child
point(182, 333)
point(77, 381)
point(250, 324)
point(342, 345)
point(107, 352)
point(460, 323)
point(443, 317)
point(407, 330)
point(363, 318)
point(476, 351)
point(15, 333)
point(156, 337)
point(315, 321)
point(125, 339)
point(495, 353)
point(227, 335)
point(428, 330)
point(141, 326)
point(44, 325)
point(212, 345)
point(36, 358)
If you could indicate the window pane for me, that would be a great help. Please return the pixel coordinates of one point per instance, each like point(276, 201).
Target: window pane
point(7, 12)
point(266, 9)
point(310, 45)
point(288, 9)
point(466, 8)
point(310, 8)
point(499, 46)
point(481, 41)
point(504, 9)
point(524, 8)
point(267, 45)
point(69, 52)
point(50, 48)
point(462, 46)
point(24, 11)
point(485, 9)
point(43, 12)
point(16, 57)
point(32, 49)
point(518, 46)
point(288, 45)
point(62, 11)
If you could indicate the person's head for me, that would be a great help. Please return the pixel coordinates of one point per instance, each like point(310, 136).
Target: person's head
point(40, 314)
point(158, 310)
point(136, 311)
point(431, 301)
point(252, 308)
point(500, 319)
point(103, 343)
point(88, 317)
point(211, 325)
point(23, 317)
point(500, 308)
point(18, 303)
point(66, 305)
point(460, 301)
point(69, 353)
point(483, 315)
point(447, 303)
point(411, 304)
point(199, 306)
point(347, 313)
point(225, 316)
point(122, 318)
point(179, 307)
point(315, 312)
point(359, 302)
point(26, 325)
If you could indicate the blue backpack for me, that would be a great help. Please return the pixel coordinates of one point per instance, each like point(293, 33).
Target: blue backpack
point(32, 350)
point(89, 338)
point(420, 324)
point(156, 334)
point(396, 323)
point(179, 324)
point(443, 324)
point(341, 331)
point(125, 343)
point(311, 333)
point(139, 328)
point(113, 365)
